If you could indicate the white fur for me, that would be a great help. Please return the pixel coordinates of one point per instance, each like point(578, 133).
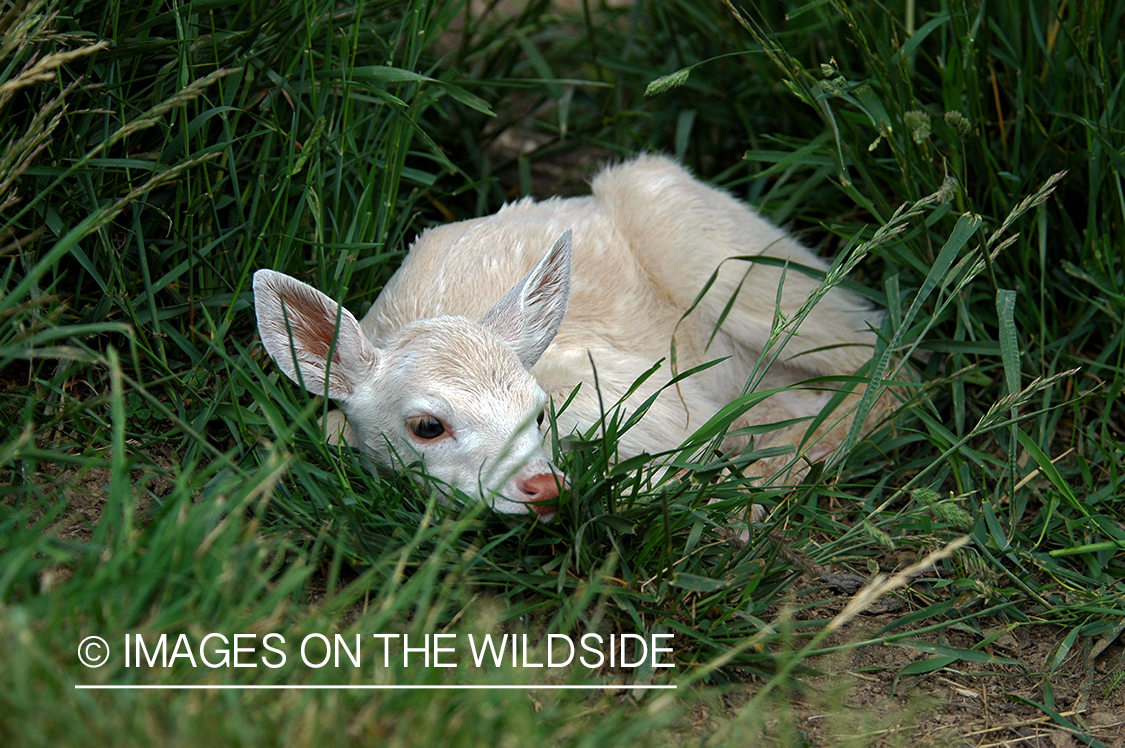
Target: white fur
point(475, 307)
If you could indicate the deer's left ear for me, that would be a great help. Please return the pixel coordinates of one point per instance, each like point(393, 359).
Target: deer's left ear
point(529, 315)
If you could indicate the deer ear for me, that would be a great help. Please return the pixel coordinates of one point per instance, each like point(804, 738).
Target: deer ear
point(530, 314)
point(314, 340)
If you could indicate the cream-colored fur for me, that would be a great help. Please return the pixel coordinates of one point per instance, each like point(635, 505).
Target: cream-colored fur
point(642, 247)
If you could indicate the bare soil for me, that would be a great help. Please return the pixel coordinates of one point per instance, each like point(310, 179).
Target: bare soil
point(861, 695)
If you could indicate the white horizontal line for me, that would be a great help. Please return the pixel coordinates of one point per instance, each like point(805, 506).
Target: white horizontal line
point(611, 687)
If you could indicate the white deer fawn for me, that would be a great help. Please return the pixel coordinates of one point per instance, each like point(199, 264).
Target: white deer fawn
point(478, 330)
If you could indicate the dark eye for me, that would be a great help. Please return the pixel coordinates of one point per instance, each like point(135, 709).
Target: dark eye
point(426, 428)
point(540, 417)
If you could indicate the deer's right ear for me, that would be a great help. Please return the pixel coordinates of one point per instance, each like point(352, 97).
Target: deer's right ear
point(314, 340)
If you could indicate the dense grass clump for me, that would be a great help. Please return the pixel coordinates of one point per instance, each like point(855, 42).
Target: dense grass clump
point(157, 476)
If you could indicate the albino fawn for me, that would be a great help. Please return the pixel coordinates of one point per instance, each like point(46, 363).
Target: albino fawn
point(457, 359)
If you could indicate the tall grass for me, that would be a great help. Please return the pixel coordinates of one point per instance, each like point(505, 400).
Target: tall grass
point(160, 477)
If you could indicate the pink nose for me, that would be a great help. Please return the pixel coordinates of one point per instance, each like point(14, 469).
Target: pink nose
point(540, 488)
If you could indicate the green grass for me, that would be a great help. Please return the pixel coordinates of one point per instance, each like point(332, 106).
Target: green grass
point(158, 476)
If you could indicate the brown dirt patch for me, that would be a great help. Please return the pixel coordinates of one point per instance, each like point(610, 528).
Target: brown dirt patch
point(861, 694)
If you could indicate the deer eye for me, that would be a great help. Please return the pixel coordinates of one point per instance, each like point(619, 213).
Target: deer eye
point(426, 428)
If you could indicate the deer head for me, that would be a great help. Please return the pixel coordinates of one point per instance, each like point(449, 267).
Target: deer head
point(453, 393)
